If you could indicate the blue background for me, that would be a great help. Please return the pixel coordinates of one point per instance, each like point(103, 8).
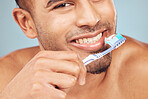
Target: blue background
point(132, 21)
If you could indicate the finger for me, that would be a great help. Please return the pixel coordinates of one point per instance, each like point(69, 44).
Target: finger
point(59, 66)
point(63, 81)
point(40, 91)
point(82, 74)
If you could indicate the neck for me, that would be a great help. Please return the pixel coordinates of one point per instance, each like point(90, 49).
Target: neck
point(93, 82)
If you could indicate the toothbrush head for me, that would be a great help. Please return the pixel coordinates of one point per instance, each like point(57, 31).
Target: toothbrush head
point(115, 40)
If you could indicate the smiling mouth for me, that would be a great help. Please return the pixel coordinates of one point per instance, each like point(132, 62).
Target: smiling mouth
point(88, 40)
point(91, 41)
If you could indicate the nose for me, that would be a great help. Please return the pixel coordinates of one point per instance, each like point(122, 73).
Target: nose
point(87, 15)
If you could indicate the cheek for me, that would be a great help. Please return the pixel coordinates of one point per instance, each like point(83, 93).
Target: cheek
point(60, 24)
point(107, 11)
point(110, 12)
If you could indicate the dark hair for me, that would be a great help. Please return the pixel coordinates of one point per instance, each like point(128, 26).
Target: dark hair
point(25, 4)
point(17, 2)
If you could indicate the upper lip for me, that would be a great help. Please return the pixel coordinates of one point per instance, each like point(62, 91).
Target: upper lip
point(87, 35)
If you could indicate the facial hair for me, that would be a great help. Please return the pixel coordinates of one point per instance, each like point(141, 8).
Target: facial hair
point(96, 67)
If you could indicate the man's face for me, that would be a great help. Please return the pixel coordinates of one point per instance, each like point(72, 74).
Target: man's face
point(76, 25)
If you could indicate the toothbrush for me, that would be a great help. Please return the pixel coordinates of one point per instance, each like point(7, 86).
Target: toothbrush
point(114, 41)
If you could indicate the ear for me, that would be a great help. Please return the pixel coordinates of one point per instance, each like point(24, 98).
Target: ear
point(25, 21)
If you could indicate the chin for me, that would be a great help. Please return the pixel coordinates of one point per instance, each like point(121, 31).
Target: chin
point(100, 65)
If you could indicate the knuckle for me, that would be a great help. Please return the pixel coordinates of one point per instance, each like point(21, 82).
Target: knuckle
point(39, 61)
point(72, 81)
point(76, 68)
point(36, 88)
point(75, 55)
point(37, 73)
point(62, 95)
point(39, 54)
point(42, 54)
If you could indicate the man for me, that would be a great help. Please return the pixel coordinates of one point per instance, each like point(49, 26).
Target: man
point(67, 31)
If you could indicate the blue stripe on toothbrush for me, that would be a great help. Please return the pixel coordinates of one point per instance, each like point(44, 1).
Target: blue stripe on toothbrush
point(90, 60)
point(119, 40)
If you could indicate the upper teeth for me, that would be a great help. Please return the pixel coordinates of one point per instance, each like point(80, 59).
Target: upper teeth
point(89, 40)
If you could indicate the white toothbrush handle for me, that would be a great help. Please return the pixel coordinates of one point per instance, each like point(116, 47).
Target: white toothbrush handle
point(94, 57)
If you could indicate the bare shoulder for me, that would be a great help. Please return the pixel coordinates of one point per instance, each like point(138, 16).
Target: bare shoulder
point(135, 53)
point(12, 63)
point(133, 72)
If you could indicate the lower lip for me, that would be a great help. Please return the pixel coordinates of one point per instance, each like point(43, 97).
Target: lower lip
point(91, 47)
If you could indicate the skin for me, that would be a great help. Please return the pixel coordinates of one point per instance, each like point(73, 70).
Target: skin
point(35, 72)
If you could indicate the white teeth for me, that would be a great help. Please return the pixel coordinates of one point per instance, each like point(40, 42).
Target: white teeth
point(77, 41)
point(85, 40)
point(80, 41)
point(89, 40)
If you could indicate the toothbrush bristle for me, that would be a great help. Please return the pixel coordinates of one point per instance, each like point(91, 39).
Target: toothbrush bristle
point(114, 39)
point(120, 43)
